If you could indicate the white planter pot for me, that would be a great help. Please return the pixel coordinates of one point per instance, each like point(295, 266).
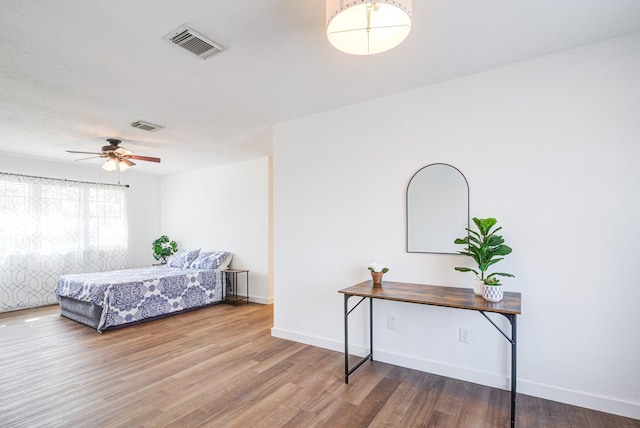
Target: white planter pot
point(478, 285)
point(492, 293)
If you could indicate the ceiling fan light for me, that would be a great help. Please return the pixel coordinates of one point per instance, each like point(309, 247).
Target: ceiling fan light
point(125, 164)
point(110, 165)
point(367, 27)
point(123, 152)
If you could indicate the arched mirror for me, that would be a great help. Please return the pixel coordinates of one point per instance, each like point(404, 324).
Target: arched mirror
point(437, 209)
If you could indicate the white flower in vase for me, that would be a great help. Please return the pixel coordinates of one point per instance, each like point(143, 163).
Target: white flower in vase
point(378, 267)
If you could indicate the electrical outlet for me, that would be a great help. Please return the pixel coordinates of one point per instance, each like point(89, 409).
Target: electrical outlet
point(464, 335)
point(392, 323)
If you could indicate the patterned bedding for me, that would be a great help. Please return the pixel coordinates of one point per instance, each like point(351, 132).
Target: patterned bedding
point(133, 295)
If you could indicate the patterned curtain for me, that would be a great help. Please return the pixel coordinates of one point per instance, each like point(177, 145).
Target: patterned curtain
point(51, 227)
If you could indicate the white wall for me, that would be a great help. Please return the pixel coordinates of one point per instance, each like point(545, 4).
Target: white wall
point(224, 208)
point(143, 197)
point(550, 148)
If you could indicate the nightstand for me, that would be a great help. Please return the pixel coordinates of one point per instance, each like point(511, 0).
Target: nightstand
point(231, 280)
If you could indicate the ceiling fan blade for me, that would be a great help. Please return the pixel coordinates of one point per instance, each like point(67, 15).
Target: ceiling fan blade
point(144, 158)
point(83, 153)
point(92, 157)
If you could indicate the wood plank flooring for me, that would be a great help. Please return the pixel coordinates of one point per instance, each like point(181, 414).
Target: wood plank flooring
point(219, 367)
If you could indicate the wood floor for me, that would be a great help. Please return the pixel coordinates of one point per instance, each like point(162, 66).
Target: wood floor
point(220, 367)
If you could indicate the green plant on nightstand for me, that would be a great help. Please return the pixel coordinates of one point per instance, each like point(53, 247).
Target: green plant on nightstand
point(163, 247)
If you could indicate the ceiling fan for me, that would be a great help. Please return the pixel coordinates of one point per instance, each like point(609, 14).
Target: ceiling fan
point(116, 157)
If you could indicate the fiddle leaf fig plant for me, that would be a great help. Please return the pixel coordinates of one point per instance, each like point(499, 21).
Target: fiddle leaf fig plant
point(485, 248)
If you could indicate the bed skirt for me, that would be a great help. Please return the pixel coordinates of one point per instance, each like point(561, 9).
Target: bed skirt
point(83, 312)
point(89, 314)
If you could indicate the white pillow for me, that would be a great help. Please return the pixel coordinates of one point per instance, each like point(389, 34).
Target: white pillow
point(183, 259)
point(212, 260)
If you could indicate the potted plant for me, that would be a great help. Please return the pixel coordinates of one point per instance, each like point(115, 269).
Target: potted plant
point(163, 247)
point(492, 291)
point(486, 249)
point(377, 270)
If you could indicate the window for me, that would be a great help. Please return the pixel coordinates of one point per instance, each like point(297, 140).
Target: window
point(52, 227)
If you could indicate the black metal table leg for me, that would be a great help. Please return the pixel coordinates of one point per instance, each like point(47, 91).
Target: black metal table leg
point(346, 338)
point(512, 318)
point(370, 329)
point(347, 311)
point(512, 340)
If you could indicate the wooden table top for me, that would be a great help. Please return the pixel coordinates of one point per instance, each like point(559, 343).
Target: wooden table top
point(452, 297)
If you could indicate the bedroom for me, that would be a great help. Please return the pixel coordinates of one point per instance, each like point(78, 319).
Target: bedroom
point(561, 134)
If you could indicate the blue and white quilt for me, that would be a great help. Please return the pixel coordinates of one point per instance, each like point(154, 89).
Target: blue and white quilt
point(136, 294)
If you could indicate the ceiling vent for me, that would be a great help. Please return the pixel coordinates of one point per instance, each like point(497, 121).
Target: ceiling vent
point(146, 126)
point(194, 41)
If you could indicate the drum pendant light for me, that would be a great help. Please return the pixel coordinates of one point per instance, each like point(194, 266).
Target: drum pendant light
point(367, 27)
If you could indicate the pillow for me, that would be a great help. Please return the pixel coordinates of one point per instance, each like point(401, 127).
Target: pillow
point(224, 264)
point(212, 260)
point(183, 259)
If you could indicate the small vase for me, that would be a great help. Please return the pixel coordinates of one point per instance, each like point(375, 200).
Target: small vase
point(377, 278)
point(478, 286)
point(492, 293)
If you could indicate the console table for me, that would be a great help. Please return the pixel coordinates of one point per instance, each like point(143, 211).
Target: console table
point(451, 297)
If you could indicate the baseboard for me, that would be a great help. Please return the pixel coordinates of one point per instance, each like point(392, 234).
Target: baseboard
point(318, 341)
point(548, 392)
point(261, 300)
point(580, 399)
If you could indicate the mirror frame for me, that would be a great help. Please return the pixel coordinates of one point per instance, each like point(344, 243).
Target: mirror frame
point(407, 207)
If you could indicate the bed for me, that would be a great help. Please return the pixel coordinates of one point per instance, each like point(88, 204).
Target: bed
point(109, 300)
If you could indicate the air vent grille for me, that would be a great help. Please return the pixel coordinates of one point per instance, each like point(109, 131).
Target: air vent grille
point(146, 126)
point(194, 41)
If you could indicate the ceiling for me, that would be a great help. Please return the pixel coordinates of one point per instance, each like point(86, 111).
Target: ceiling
point(74, 72)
